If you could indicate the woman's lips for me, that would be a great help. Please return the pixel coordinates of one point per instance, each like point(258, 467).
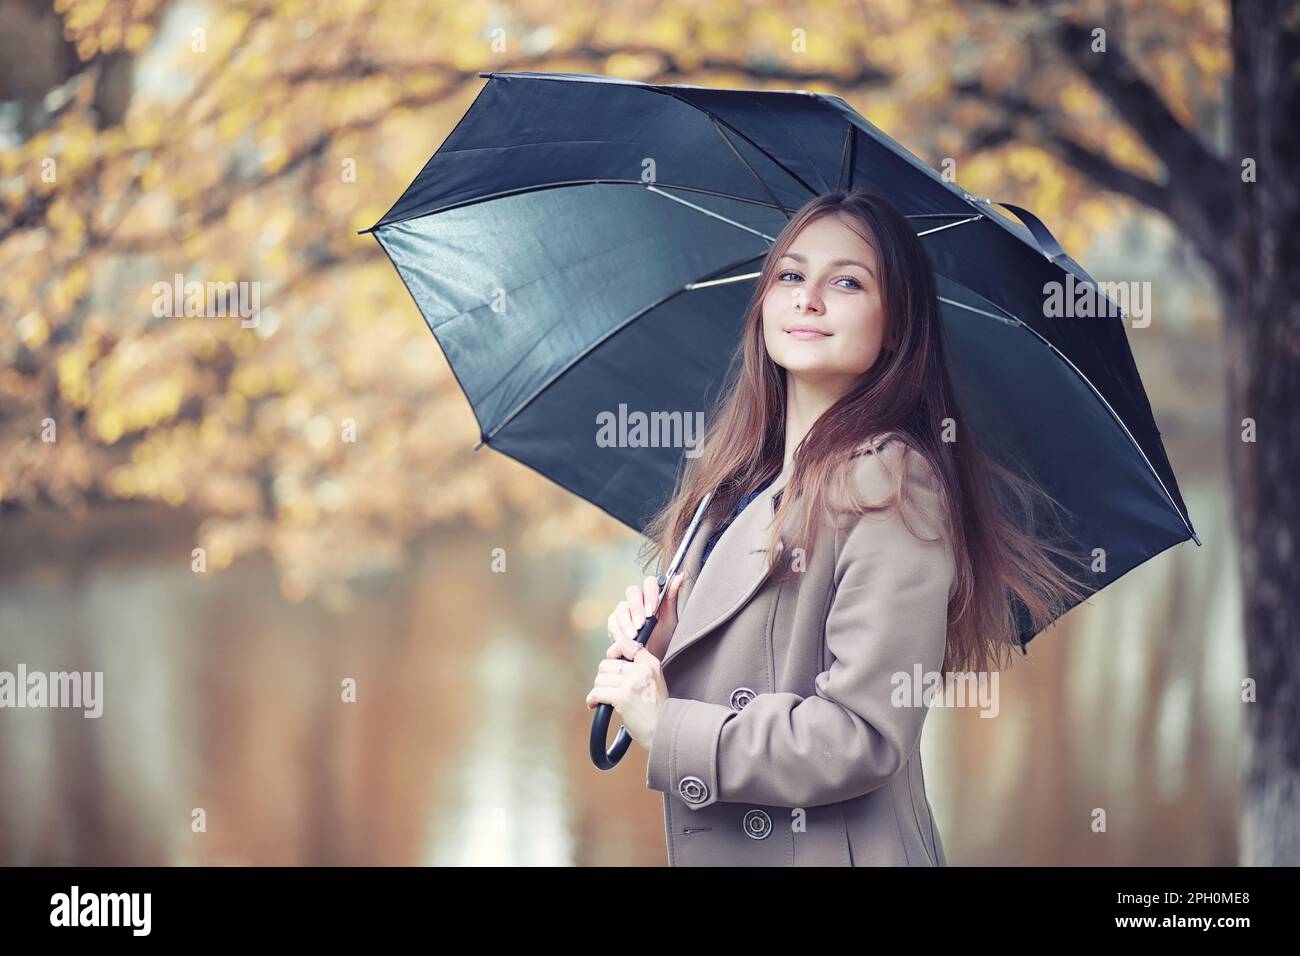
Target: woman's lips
point(806, 334)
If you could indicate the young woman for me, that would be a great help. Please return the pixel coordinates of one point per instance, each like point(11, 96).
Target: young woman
point(858, 548)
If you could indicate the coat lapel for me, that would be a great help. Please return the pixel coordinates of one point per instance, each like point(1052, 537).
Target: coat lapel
point(736, 568)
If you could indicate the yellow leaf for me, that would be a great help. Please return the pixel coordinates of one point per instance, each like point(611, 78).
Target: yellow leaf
point(33, 330)
point(109, 426)
point(137, 35)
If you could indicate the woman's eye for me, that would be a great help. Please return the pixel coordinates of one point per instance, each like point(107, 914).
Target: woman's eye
point(856, 284)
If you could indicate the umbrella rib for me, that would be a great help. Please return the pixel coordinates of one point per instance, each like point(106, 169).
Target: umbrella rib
point(568, 182)
point(1187, 524)
point(927, 232)
point(752, 171)
point(844, 155)
point(709, 212)
point(618, 328)
point(1007, 319)
point(779, 165)
point(705, 283)
point(1011, 319)
point(853, 152)
point(798, 143)
point(1015, 320)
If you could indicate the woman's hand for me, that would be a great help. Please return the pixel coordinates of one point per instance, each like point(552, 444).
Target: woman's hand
point(630, 615)
point(630, 680)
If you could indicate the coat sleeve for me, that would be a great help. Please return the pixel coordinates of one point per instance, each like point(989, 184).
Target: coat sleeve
point(887, 627)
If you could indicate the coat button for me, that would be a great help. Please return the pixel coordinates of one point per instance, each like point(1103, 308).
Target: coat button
point(740, 697)
point(757, 824)
point(693, 790)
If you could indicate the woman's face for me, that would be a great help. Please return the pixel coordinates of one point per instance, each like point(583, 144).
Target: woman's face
point(813, 289)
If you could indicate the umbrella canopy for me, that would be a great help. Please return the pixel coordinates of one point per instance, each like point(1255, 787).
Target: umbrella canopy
point(583, 249)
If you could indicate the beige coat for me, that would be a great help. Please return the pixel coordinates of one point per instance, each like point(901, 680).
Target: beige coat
point(785, 740)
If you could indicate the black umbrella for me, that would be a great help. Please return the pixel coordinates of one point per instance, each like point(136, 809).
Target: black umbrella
point(583, 248)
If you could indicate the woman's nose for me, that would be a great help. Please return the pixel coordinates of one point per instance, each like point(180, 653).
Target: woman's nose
point(803, 302)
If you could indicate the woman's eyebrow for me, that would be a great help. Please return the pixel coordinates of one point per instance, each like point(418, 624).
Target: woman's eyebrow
point(838, 262)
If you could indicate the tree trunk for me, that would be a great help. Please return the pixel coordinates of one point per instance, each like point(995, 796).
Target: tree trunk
point(1263, 341)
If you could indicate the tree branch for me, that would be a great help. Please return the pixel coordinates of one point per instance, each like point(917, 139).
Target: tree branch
point(1083, 159)
point(1114, 75)
point(1106, 174)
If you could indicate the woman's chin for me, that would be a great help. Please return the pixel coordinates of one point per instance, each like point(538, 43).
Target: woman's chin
point(804, 365)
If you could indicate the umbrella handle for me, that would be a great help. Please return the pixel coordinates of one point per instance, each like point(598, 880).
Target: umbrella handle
point(608, 759)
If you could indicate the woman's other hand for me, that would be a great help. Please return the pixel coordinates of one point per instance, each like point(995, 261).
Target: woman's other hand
point(631, 681)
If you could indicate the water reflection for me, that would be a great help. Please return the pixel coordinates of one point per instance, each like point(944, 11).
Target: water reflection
point(467, 743)
point(505, 802)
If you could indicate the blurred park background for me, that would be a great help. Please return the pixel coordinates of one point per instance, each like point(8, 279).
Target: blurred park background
point(249, 141)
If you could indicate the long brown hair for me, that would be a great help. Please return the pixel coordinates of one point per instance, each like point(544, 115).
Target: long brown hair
point(1001, 559)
